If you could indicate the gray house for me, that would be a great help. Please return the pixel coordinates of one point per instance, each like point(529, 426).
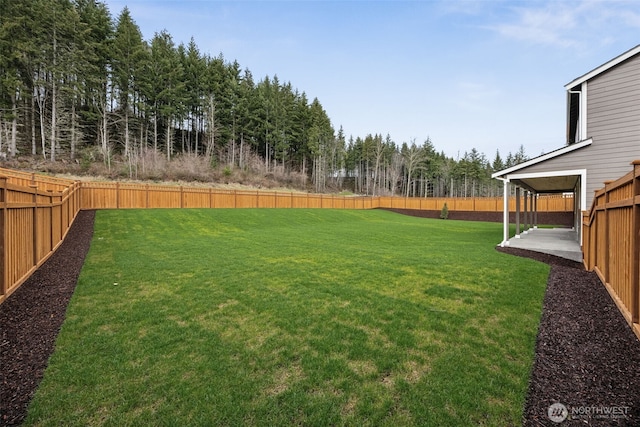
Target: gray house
point(603, 138)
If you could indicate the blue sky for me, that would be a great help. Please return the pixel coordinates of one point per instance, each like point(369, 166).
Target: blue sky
point(486, 74)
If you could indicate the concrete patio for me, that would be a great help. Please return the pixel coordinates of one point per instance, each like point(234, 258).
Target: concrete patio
point(562, 242)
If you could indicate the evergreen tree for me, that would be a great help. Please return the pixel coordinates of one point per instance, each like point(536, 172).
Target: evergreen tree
point(128, 68)
point(497, 164)
point(16, 50)
point(193, 65)
point(94, 74)
point(168, 88)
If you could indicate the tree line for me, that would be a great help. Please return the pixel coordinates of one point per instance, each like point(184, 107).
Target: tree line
point(73, 78)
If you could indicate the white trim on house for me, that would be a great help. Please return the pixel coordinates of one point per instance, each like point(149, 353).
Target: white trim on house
point(583, 111)
point(543, 158)
point(578, 192)
point(604, 67)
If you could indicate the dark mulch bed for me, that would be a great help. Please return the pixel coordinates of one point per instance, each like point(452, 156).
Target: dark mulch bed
point(587, 357)
point(32, 316)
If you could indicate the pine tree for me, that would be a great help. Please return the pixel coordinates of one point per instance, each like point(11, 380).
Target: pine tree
point(128, 67)
point(497, 164)
point(93, 75)
point(167, 89)
point(193, 65)
point(16, 49)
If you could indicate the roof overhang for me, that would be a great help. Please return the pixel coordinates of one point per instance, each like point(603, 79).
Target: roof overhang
point(505, 173)
point(604, 67)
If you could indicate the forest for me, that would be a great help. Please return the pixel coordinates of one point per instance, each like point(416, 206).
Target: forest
point(80, 87)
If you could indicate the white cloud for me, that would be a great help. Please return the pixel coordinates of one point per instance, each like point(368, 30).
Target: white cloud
point(569, 24)
point(552, 25)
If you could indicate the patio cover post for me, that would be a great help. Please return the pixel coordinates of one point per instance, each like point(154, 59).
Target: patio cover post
point(535, 211)
point(531, 221)
point(577, 211)
point(505, 214)
point(529, 212)
point(526, 212)
point(517, 212)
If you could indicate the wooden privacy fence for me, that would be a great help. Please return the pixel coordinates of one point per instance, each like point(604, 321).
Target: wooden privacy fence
point(546, 203)
point(611, 242)
point(34, 219)
point(36, 211)
point(107, 195)
point(115, 195)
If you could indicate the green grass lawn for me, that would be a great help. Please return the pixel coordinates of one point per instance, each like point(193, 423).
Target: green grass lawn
point(278, 317)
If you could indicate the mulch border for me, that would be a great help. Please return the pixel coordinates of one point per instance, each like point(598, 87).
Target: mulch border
point(31, 317)
point(587, 358)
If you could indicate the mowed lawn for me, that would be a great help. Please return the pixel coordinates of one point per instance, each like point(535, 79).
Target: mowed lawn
point(280, 317)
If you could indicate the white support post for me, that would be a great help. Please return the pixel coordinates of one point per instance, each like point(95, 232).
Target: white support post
point(526, 212)
point(577, 212)
point(531, 225)
point(518, 195)
point(535, 211)
point(505, 216)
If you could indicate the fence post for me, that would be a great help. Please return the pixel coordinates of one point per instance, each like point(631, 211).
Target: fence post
point(117, 195)
point(635, 249)
point(594, 235)
point(61, 221)
point(3, 235)
point(79, 199)
point(607, 193)
point(71, 197)
point(51, 208)
point(35, 223)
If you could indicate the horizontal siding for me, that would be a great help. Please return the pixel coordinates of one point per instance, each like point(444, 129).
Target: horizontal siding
point(620, 72)
point(614, 137)
point(611, 95)
point(613, 121)
point(613, 105)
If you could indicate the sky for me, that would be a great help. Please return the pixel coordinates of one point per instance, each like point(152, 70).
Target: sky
point(484, 74)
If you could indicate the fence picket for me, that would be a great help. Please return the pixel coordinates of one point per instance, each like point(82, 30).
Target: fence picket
point(611, 246)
